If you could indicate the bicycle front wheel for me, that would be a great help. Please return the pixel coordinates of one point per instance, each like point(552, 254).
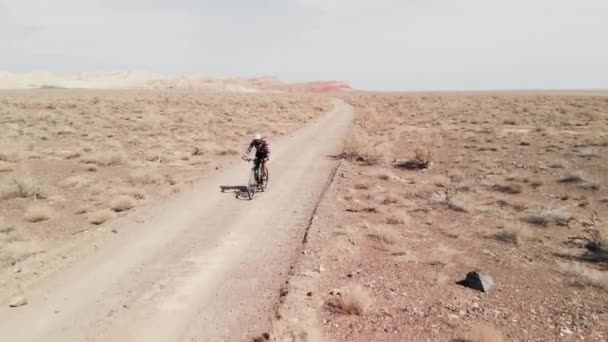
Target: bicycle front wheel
point(251, 186)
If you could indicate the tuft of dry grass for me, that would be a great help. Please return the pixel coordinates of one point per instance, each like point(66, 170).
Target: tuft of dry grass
point(101, 216)
point(353, 301)
point(579, 275)
point(593, 186)
point(21, 187)
point(512, 236)
point(6, 167)
point(384, 234)
point(38, 213)
point(421, 160)
point(572, 177)
point(137, 194)
point(486, 333)
point(144, 177)
point(385, 175)
point(360, 149)
point(390, 199)
point(448, 199)
point(507, 188)
point(398, 217)
point(108, 158)
point(122, 203)
point(8, 156)
point(91, 168)
point(546, 217)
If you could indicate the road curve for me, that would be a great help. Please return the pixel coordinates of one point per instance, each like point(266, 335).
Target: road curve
point(203, 266)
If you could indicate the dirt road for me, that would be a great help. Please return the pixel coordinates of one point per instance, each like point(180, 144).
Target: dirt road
point(202, 267)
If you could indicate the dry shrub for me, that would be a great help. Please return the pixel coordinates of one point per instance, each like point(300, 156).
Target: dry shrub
point(385, 175)
point(593, 186)
point(81, 210)
point(108, 158)
point(398, 217)
point(447, 199)
point(75, 181)
point(144, 177)
point(359, 148)
point(227, 152)
point(72, 155)
point(390, 199)
point(512, 236)
point(137, 194)
point(122, 203)
point(507, 188)
point(21, 187)
point(486, 333)
point(421, 160)
point(584, 276)
point(572, 177)
point(362, 186)
point(384, 234)
point(38, 213)
point(546, 217)
point(6, 167)
point(101, 216)
point(91, 167)
point(353, 301)
point(8, 156)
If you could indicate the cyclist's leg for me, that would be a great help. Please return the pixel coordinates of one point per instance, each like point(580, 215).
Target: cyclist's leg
point(256, 164)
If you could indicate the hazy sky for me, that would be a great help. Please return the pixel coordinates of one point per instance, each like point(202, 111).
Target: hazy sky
point(373, 44)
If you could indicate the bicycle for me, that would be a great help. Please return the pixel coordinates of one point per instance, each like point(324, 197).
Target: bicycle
point(258, 179)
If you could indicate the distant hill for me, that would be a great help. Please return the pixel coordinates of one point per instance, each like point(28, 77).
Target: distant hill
point(149, 80)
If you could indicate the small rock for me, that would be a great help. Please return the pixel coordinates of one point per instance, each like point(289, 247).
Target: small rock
point(114, 231)
point(309, 294)
point(17, 269)
point(17, 302)
point(479, 281)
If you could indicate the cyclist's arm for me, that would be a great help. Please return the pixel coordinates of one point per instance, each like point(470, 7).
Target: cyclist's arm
point(248, 150)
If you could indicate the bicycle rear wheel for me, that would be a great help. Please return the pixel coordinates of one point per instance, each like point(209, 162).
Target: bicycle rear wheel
point(264, 184)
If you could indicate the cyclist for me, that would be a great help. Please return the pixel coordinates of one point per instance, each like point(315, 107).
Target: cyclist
point(262, 151)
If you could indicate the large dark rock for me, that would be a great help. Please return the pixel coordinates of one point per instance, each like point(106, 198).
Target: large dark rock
point(479, 281)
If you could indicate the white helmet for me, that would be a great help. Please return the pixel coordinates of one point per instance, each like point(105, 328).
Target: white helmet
point(257, 136)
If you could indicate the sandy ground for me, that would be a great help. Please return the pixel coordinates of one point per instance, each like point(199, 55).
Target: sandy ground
point(204, 266)
point(516, 187)
point(71, 160)
point(428, 187)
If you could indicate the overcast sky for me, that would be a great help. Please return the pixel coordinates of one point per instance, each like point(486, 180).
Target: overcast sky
point(372, 44)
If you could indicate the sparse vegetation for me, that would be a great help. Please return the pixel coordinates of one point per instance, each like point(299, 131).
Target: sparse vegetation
point(594, 186)
point(6, 167)
point(508, 236)
point(572, 177)
point(549, 216)
point(384, 234)
point(508, 188)
point(38, 213)
point(21, 187)
point(101, 216)
point(108, 158)
point(122, 203)
point(579, 275)
point(447, 198)
point(353, 301)
point(421, 160)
